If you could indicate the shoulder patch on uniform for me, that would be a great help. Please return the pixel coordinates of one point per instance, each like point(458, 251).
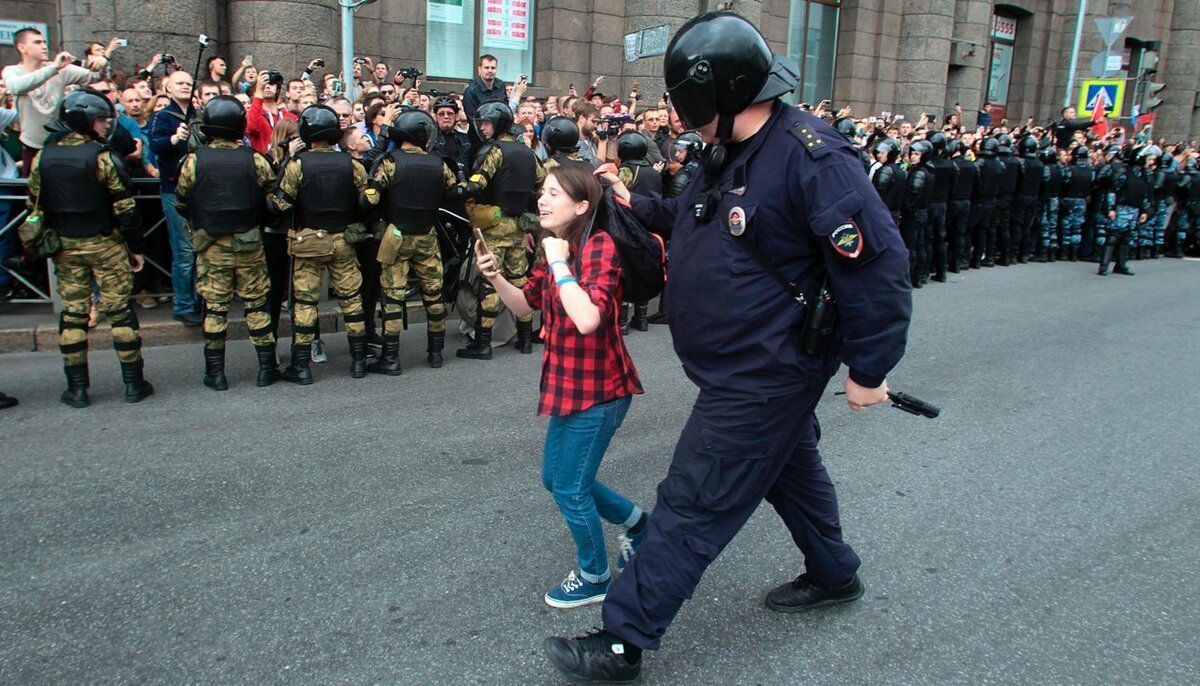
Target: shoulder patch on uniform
point(809, 140)
point(849, 246)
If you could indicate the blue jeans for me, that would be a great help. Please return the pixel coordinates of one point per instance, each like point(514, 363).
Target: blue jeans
point(575, 444)
point(183, 258)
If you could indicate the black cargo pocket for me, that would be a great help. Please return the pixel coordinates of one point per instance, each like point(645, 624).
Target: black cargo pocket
point(739, 469)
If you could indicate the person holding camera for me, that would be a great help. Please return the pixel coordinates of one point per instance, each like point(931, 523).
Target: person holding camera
point(588, 378)
point(265, 111)
point(781, 182)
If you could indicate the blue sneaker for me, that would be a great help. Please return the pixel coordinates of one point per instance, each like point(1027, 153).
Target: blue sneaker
point(628, 545)
point(576, 592)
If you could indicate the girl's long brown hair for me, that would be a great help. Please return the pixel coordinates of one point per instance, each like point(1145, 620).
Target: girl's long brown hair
point(579, 185)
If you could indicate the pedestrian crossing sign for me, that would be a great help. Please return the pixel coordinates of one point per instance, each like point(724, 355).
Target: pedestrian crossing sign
point(1107, 92)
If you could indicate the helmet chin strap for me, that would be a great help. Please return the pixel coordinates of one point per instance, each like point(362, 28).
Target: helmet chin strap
point(716, 155)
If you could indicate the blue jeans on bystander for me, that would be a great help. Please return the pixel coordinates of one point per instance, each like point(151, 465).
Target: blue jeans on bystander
point(183, 258)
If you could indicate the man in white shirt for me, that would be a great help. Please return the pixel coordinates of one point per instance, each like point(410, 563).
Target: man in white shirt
point(39, 85)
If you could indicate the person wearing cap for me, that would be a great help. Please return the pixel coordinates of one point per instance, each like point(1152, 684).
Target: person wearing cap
point(78, 189)
point(222, 192)
point(781, 192)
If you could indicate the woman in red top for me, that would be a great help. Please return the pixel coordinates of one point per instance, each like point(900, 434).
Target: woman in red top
point(587, 376)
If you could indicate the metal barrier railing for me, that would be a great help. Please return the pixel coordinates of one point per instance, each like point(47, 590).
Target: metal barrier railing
point(18, 190)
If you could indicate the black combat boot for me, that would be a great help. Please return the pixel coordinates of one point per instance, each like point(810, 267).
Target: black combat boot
point(437, 341)
point(1070, 250)
point(524, 344)
point(1105, 258)
point(214, 369)
point(298, 372)
point(268, 366)
point(77, 384)
point(623, 318)
point(1154, 252)
point(1123, 261)
point(358, 356)
point(137, 388)
point(639, 318)
point(388, 361)
point(480, 348)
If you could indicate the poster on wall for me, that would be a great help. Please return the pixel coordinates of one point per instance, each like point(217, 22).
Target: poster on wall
point(506, 24)
point(445, 11)
point(9, 28)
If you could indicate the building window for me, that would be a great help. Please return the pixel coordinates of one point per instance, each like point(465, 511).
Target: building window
point(812, 42)
point(1003, 35)
point(458, 31)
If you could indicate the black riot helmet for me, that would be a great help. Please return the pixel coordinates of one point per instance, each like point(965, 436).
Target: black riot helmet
point(691, 142)
point(1005, 141)
point(1081, 154)
point(223, 117)
point(989, 147)
point(889, 147)
point(498, 115)
point(1049, 155)
point(319, 123)
point(955, 147)
point(632, 147)
point(560, 134)
point(1113, 151)
point(80, 109)
point(846, 127)
point(415, 127)
point(938, 140)
point(922, 146)
point(717, 65)
point(1028, 146)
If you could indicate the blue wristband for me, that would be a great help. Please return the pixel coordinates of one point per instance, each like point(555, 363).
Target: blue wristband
point(566, 279)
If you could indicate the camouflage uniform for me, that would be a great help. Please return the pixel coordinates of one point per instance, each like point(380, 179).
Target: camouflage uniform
point(225, 264)
point(555, 161)
point(104, 258)
point(307, 271)
point(420, 252)
point(505, 239)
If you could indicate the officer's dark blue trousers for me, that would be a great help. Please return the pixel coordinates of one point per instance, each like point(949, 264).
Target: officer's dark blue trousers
point(731, 455)
point(935, 240)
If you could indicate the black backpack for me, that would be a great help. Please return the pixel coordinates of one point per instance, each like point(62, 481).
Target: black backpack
point(643, 254)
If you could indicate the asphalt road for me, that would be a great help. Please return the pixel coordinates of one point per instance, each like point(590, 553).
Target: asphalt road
point(393, 530)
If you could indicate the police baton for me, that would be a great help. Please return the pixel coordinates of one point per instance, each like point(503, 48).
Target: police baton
point(910, 404)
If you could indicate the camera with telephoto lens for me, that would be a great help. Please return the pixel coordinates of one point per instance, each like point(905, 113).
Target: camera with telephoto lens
point(274, 78)
point(411, 72)
point(612, 126)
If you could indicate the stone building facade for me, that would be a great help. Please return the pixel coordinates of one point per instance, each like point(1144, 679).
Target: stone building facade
point(911, 56)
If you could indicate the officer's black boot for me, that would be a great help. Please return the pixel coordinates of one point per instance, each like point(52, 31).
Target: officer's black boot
point(480, 348)
point(437, 341)
point(358, 356)
point(1154, 253)
point(137, 388)
point(623, 318)
point(298, 372)
point(524, 344)
point(214, 369)
point(1123, 261)
point(388, 361)
point(1070, 249)
point(77, 383)
point(268, 366)
point(639, 318)
point(1105, 258)
point(660, 317)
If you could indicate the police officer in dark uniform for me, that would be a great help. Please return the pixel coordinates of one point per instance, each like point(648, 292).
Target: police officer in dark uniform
point(939, 196)
point(1052, 183)
point(687, 148)
point(1026, 201)
point(222, 191)
point(982, 225)
point(324, 189)
point(782, 185)
point(1078, 178)
point(888, 178)
point(1189, 212)
point(1002, 215)
point(411, 185)
point(501, 189)
point(958, 213)
point(78, 188)
point(1127, 204)
point(1093, 236)
point(849, 131)
point(640, 178)
point(914, 223)
point(560, 135)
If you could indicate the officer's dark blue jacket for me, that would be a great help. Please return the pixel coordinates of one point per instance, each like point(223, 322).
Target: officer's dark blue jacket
point(808, 206)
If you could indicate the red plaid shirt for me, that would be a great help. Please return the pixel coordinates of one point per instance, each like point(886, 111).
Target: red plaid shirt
point(581, 371)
